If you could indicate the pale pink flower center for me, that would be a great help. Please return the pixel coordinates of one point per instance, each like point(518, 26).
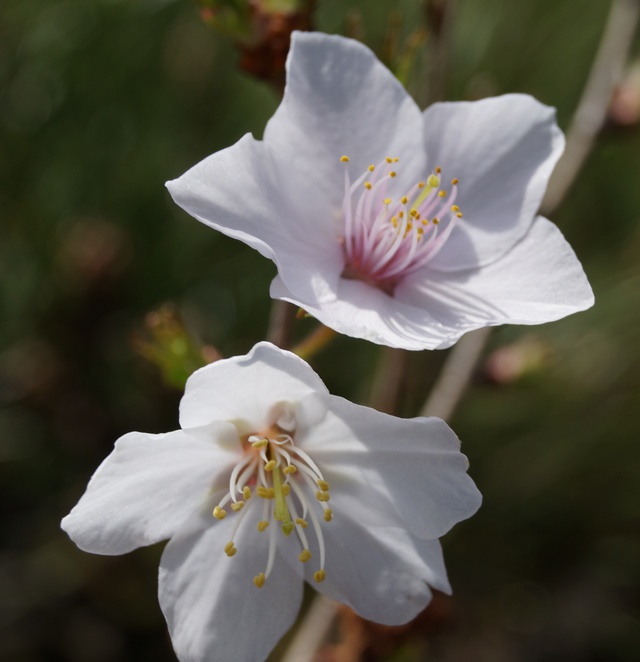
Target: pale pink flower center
point(385, 238)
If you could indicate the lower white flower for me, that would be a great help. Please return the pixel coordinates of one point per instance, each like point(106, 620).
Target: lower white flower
point(272, 480)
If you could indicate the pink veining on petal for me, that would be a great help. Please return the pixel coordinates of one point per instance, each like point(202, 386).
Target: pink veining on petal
point(386, 239)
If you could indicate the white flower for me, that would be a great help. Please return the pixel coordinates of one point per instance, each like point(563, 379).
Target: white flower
point(330, 194)
point(271, 480)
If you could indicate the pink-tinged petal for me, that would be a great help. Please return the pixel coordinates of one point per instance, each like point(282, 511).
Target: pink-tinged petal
point(245, 389)
point(339, 100)
point(213, 609)
point(363, 311)
point(540, 280)
point(387, 471)
point(503, 151)
point(149, 485)
point(238, 191)
point(383, 574)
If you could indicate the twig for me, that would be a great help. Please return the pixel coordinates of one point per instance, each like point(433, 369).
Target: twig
point(591, 114)
point(281, 321)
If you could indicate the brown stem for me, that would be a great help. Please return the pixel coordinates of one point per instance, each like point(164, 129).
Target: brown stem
point(314, 342)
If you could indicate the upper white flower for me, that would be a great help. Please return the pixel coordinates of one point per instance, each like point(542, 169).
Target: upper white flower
point(386, 223)
point(272, 480)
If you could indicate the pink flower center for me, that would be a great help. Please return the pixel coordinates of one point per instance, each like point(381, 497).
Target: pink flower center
point(386, 239)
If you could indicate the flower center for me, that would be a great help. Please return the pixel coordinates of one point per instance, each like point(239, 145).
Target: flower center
point(277, 476)
point(386, 239)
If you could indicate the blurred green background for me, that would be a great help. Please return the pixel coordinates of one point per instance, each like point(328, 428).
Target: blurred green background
point(100, 103)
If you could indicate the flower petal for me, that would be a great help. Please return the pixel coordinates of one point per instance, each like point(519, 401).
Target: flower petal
point(339, 100)
point(363, 311)
point(383, 574)
point(503, 151)
point(238, 192)
point(212, 607)
point(147, 487)
point(388, 471)
point(246, 388)
point(540, 280)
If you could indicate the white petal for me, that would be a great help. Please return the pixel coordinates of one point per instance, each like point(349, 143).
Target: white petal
point(238, 192)
point(540, 280)
point(363, 311)
point(147, 487)
point(214, 611)
point(388, 471)
point(503, 151)
point(339, 100)
point(382, 574)
point(244, 389)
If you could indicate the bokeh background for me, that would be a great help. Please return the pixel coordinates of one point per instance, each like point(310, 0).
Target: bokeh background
point(100, 103)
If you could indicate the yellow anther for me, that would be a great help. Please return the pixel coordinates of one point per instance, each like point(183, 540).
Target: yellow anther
point(344, 159)
point(261, 443)
point(259, 580)
point(323, 496)
point(438, 170)
point(286, 489)
point(420, 184)
point(290, 469)
point(433, 181)
point(328, 514)
point(319, 575)
point(419, 232)
point(436, 221)
point(401, 214)
point(287, 528)
point(455, 208)
point(230, 549)
point(394, 221)
point(302, 522)
point(367, 185)
point(265, 492)
point(392, 173)
point(454, 181)
point(414, 213)
point(425, 221)
point(459, 214)
point(246, 492)
point(372, 168)
point(304, 556)
point(442, 194)
point(323, 485)
point(395, 159)
point(389, 159)
point(270, 465)
point(262, 525)
point(219, 513)
point(238, 505)
point(409, 226)
point(387, 201)
point(404, 199)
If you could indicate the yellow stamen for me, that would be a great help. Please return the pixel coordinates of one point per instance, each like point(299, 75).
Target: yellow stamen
point(290, 469)
point(265, 492)
point(367, 185)
point(392, 173)
point(259, 580)
point(270, 465)
point(442, 194)
point(344, 159)
point(262, 525)
point(219, 513)
point(230, 549)
point(372, 168)
point(246, 492)
point(261, 443)
point(319, 575)
point(421, 185)
point(304, 556)
point(438, 170)
point(404, 199)
point(436, 221)
point(238, 505)
point(455, 208)
point(387, 201)
point(459, 214)
point(323, 496)
point(323, 485)
point(302, 522)
point(454, 181)
point(328, 515)
point(389, 159)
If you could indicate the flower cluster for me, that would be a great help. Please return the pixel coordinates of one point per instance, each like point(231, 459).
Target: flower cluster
point(405, 228)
